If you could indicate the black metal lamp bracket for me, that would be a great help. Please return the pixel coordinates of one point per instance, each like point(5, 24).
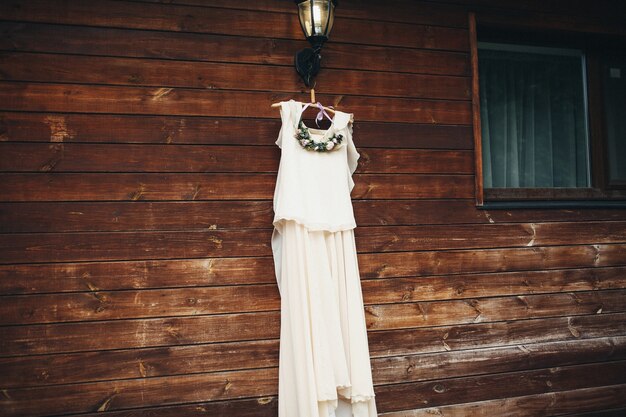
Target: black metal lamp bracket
point(307, 62)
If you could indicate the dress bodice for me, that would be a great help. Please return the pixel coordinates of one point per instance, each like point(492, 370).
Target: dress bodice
point(313, 188)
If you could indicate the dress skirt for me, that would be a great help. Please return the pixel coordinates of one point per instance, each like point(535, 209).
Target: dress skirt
point(324, 368)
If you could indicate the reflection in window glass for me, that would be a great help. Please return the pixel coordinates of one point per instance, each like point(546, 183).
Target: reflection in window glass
point(533, 116)
point(614, 80)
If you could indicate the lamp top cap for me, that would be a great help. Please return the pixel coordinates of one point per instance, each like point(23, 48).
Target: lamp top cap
point(302, 1)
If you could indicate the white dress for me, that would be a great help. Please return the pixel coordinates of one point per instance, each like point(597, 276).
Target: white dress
point(324, 367)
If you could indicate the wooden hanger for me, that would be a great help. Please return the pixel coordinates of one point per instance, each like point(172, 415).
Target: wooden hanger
point(312, 102)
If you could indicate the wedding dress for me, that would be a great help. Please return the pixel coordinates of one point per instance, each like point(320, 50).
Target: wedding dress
point(324, 366)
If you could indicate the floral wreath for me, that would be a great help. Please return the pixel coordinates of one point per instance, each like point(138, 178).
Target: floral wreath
point(307, 142)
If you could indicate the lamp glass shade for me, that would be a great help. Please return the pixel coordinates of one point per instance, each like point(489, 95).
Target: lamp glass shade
point(316, 17)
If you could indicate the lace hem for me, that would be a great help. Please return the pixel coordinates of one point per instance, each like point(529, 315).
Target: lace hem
point(360, 398)
point(353, 398)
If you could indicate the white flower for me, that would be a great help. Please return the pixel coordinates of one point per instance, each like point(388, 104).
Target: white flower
point(330, 145)
point(304, 142)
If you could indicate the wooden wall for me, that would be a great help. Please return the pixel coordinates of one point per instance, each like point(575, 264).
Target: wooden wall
point(137, 169)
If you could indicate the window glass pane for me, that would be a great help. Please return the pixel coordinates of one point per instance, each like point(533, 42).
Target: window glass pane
point(614, 75)
point(533, 115)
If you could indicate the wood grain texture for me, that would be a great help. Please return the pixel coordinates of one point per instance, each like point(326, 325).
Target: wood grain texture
point(570, 403)
point(524, 406)
point(476, 124)
point(554, 22)
point(404, 11)
point(151, 333)
point(194, 102)
point(118, 334)
point(35, 37)
point(71, 157)
point(102, 305)
point(62, 247)
point(266, 406)
point(137, 168)
point(600, 8)
point(155, 362)
point(509, 259)
point(424, 367)
point(221, 76)
point(33, 217)
point(603, 413)
point(116, 395)
point(194, 186)
point(199, 387)
point(101, 128)
point(436, 393)
point(94, 275)
point(178, 18)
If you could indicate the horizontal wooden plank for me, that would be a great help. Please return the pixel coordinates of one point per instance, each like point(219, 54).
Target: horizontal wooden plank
point(69, 278)
point(227, 327)
point(203, 102)
point(132, 245)
point(98, 128)
point(119, 334)
point(123, 364)
point(73, 157)
point(137, 215)
point(497, 334)
point(105, 365)
point(266, 406)
point(105, 41)
point(555, 23)
point(440, 313)
point(434, 366)
point(188, 186)
point(601, 413)
point(85, 246)
point(549, 404)
point(116, 395)
point(179, 18)
point(103, 305)
point(603, 8)
point(523, 406)
point(166, 361)
point(17, 279)
point(136, 363)
point(62, 157)
point(56, 68)
point(98, 305)
point(393, 11)
point(455, 390)
point(97, 276)
point(374, 291)
point(514, 259)
point(21, 217)
point(143, 334)
point(411, 238)
point(449, 287)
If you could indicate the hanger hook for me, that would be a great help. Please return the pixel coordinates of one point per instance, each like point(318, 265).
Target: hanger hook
point(312, 91)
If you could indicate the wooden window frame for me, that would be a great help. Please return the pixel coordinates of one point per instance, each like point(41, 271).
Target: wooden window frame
point(601, 193)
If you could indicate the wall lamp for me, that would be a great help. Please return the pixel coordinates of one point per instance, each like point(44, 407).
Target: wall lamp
point(316, 18)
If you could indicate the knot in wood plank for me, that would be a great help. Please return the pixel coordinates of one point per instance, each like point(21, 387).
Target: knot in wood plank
point(439, 388)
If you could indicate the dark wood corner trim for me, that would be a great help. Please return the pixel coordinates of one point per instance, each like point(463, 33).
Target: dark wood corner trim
point(478, 150)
